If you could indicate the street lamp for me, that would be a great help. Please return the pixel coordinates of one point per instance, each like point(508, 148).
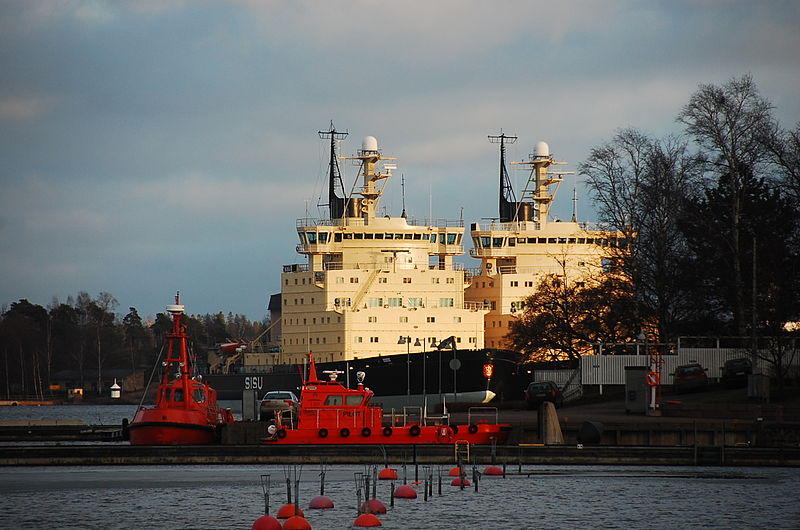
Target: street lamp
point(407, 342)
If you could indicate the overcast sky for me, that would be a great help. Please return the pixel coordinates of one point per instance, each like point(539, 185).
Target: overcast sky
point(154, 146)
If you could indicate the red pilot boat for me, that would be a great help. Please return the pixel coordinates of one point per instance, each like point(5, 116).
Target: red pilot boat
point(330, 413)
point(186, 410)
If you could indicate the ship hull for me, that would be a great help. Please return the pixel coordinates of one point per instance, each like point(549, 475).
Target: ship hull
point(153, 426)
point(417, 377)
point(475, 434)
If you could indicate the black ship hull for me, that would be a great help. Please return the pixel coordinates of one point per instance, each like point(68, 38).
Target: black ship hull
point(453, 376)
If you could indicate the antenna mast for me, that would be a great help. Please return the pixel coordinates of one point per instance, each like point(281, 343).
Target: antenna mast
point(403, 193)
point(507, 198)
point(335, 204)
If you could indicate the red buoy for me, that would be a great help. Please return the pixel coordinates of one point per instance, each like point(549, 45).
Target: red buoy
point(493, 470)
point(457, 482)
point(366, 520)
point(296, 522)
point(288, 510)
point(405, 492)
point(373, 506)
point(387, 473)
point(266, 522)
point(455, 472)
point(321, 502)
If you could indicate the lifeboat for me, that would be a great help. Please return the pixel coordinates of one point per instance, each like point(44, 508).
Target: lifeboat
point(186, 410)
point(331, 413)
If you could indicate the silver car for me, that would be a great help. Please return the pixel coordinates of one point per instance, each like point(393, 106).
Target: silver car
point(276, 401)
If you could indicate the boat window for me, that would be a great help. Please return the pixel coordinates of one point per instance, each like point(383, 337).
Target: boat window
point(395, 302)
point(458, 239)
point(303, 238)
point(378, 236)
point(542, 240)
point(485, 241)
point(581, 240)
point(512, 242)
point(451, 239)
point(337, 237)
point(167, 394)
point(389, 236)
point(323, 237)
point(417, 237)
point(178, 395)
point(562, 240)
point(348, 236)
point(415, 302)
point(333, 401)
point(497, 242)
point(426, 237)
point(551, 240)
point(531, 240)
point(352, 401)
point(571, 240)
point(312, 237)
point(521, 240)
point(359, 236)
point(199, 395)
point(369, 236)
point(408, 236)
point(442, 238)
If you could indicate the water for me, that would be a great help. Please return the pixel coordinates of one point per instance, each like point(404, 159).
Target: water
point(177, 497)
point(89, 414)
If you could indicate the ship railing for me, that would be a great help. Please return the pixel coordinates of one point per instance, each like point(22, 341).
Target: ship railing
point(482, 415)
point(359, 221)
point(322, 418)
point(496, 226)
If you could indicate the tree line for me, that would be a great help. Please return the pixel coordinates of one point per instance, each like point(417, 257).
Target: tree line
point(87, 335)
point(712, 221)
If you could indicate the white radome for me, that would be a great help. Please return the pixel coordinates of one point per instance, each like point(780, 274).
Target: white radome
point(541, 149)
point(369, 143)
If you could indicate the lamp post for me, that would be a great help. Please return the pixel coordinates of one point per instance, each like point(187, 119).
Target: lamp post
point(407, 341)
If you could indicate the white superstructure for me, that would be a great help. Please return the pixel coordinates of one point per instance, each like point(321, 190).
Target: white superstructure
point(371, 282)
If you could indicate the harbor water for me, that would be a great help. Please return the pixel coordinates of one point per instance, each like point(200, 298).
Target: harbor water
point(176, 497)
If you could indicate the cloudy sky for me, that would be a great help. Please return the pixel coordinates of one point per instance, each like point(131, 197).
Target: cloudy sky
point(156, 145)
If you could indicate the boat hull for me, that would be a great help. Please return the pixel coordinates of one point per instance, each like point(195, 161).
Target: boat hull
point(171, 427)
point(476, 434)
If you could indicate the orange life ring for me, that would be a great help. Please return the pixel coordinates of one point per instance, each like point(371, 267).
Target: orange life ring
point(653, 378)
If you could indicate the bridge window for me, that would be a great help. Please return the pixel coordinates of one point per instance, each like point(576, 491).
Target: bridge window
point(352, 401)
point(333, 401)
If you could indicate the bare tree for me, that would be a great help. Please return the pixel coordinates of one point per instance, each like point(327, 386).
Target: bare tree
point(729, 123)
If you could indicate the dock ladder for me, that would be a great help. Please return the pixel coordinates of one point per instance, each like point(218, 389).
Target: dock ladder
point(461, 450)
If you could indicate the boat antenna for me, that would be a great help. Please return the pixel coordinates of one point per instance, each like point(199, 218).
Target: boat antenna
point(336, 204)
point(575, 200)
point(508, 200)
point(403, 193)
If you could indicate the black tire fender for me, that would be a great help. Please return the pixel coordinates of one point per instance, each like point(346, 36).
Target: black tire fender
point(473, 428)
point(387, 431)
point(366, 432)
point(323, 432)
point(345, 432)
point(414, 430)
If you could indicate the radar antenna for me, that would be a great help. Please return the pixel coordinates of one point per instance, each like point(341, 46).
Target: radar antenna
point(336, 204)
point(507, 198)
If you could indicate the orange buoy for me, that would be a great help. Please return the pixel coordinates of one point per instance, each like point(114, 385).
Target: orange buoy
point(457, 482)
point(405, 492)
point(366, 520)
point(321, 502)
point(387, 473)
point(493, 470)
point(373, 506)
point(455, 472)
point(266, 522)
point(288, 510)
point(296, 522)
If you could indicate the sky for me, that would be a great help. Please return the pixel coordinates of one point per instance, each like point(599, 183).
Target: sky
point(158, 146)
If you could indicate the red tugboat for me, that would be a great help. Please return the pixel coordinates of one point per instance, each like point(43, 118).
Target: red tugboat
point(330, 413)
point(186, 410)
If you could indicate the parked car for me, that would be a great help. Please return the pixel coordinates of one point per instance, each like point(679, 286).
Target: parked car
point(539, 392)
point(735, 372)
point(277, 401)
point(689, 377)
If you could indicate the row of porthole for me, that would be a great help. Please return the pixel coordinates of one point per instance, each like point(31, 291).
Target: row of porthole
point(387, 431)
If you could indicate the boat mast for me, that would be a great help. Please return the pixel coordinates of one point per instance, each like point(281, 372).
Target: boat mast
point(178, 360)
point(508, 200)
point(336, 204)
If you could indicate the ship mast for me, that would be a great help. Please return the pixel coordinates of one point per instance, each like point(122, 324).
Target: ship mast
point(336, 204)
point(508, 201)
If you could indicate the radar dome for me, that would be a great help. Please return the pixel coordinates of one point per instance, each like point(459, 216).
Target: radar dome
point(541, 149)
point(369, 143)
